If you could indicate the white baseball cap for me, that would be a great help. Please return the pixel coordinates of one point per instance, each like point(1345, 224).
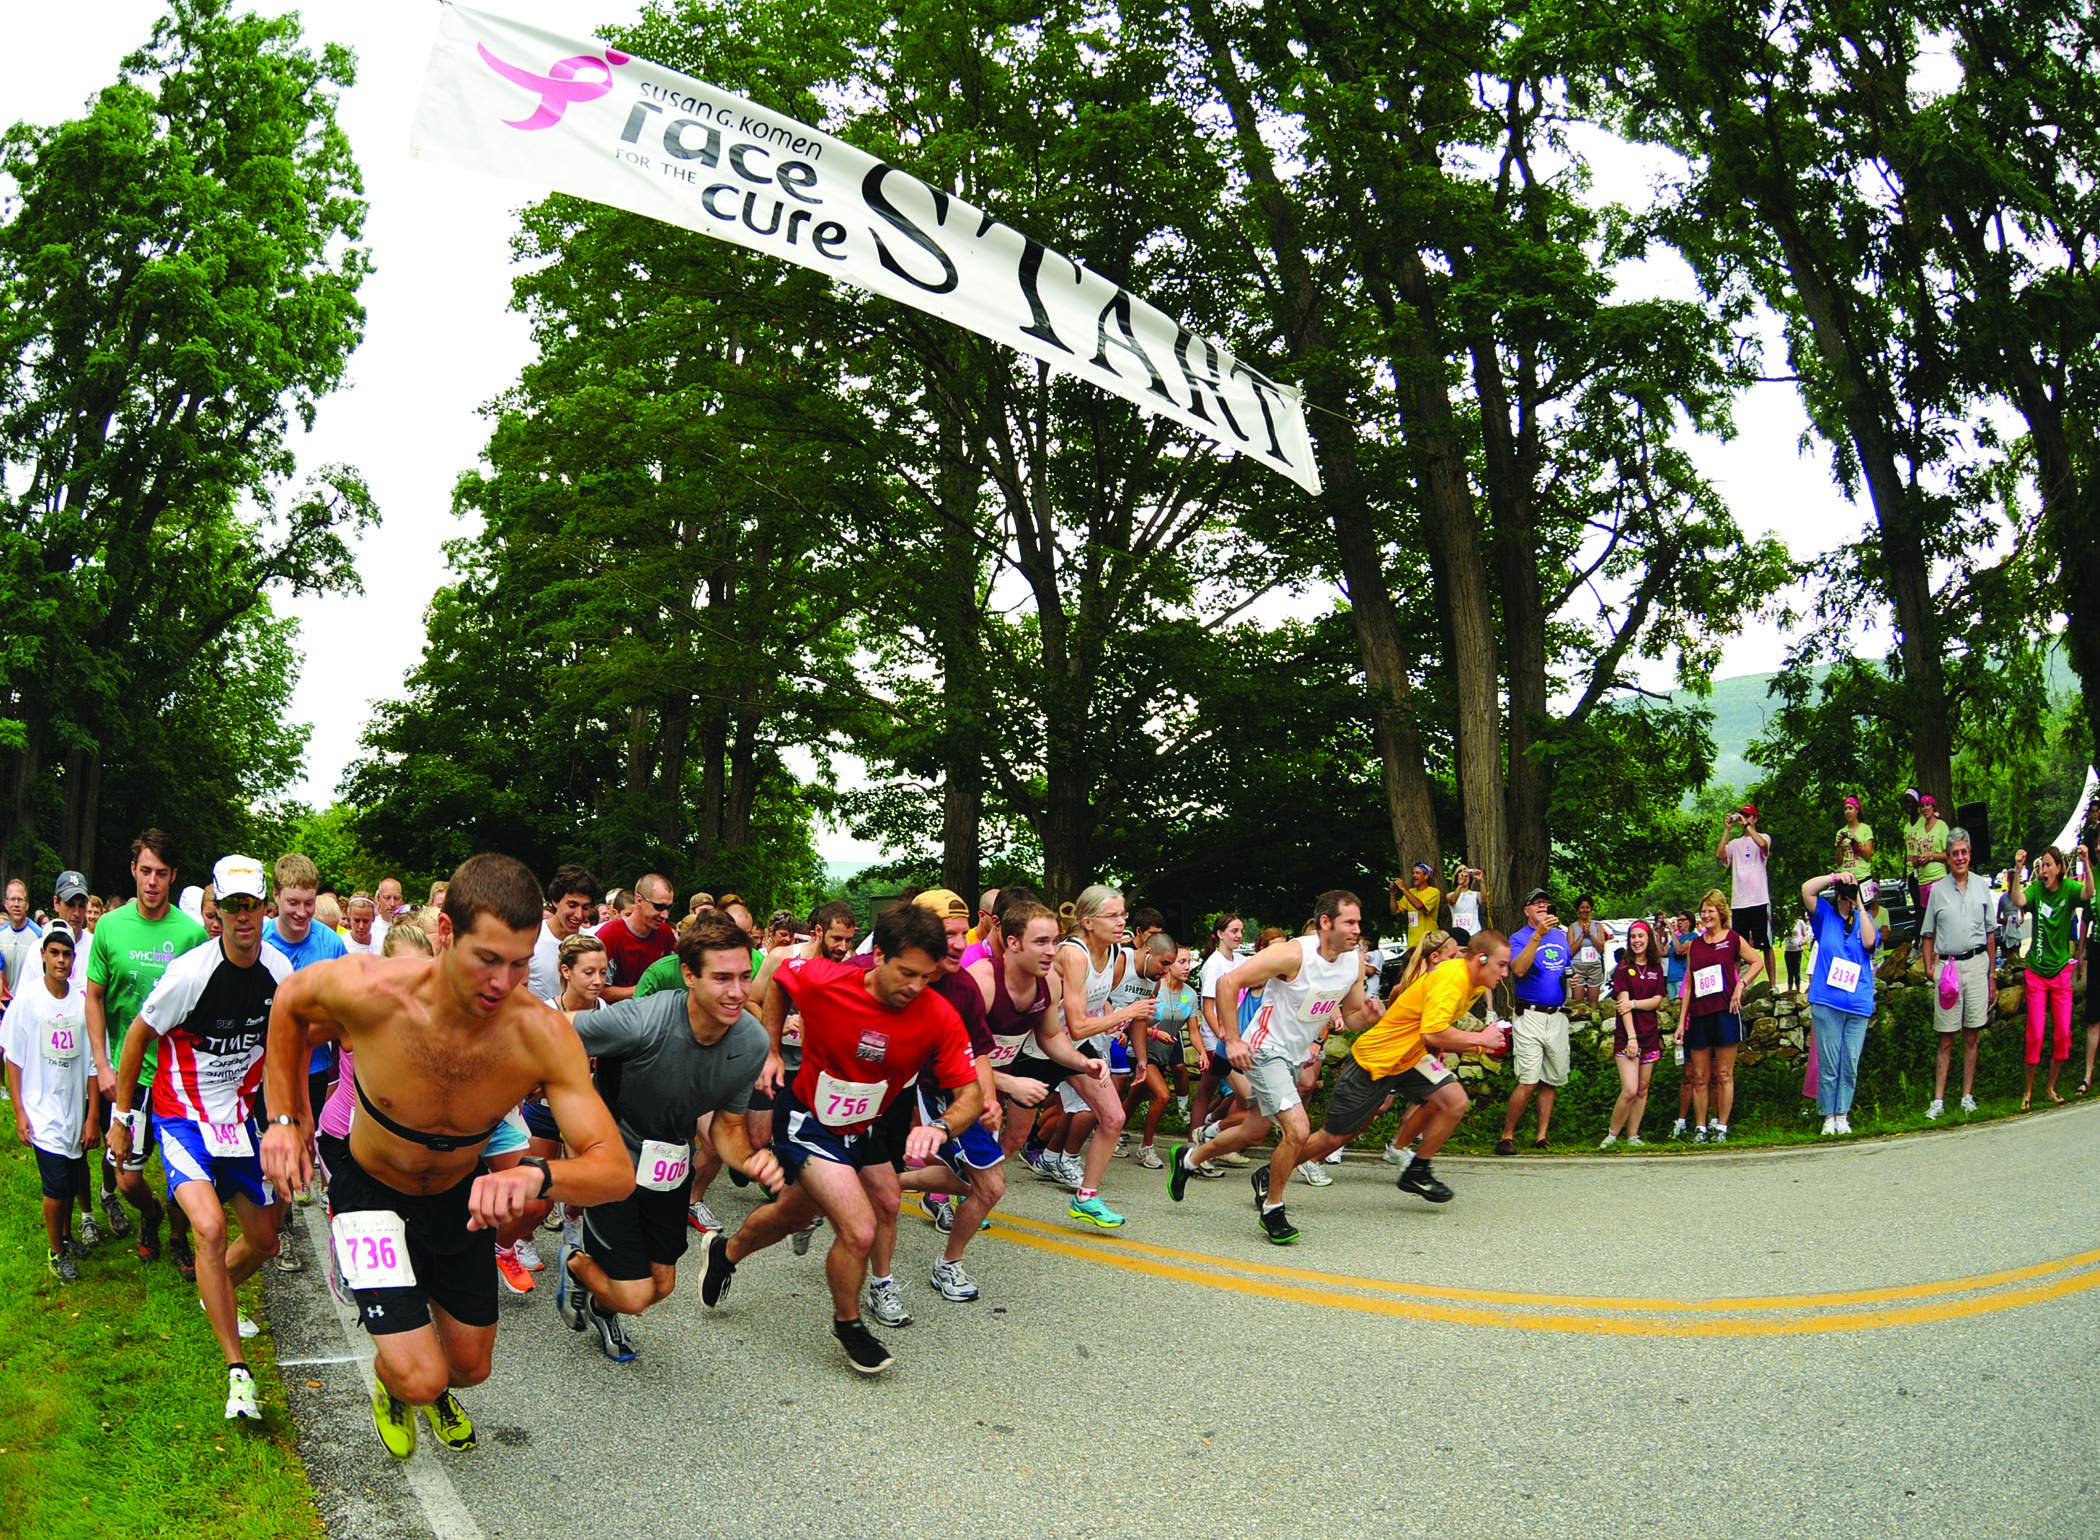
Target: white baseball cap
point(239, 877)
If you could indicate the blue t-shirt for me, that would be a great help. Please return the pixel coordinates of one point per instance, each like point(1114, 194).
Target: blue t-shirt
point(1175, 1005)
point(1545, 986)
point(1839, 943)
point(321, 945)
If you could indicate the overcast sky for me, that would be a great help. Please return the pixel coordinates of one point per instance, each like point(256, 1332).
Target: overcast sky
point(440, 341)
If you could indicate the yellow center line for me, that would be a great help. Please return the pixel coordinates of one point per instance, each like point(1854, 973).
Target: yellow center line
point(1109, 1244)
point(1622, 1325)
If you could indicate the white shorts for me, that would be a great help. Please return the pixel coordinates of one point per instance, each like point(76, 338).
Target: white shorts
point(1274, 1078)
point(1538, 1047)
point(1095, 1047)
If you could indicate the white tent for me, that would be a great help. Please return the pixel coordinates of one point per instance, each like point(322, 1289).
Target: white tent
point(2068, 840)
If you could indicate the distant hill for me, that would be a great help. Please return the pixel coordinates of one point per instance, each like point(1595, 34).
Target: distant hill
point(1742, 706)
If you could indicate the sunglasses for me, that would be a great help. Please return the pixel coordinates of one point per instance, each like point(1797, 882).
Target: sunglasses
point(650, 904)
point(238, 905)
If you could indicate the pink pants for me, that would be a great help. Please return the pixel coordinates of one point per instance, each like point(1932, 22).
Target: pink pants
point(2057, 993)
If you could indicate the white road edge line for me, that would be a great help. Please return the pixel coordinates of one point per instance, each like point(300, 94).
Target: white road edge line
point(309, 1363)
point(440, 1499)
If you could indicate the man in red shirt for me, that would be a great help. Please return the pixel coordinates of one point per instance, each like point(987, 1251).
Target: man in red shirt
point(865, 1036)
point(639, 937)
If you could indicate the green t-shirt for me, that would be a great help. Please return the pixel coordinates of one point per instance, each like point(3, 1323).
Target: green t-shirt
point(1918, 841)
point(2055, 919)
point(1861, 867)
point(127, 958)
point(660, 975)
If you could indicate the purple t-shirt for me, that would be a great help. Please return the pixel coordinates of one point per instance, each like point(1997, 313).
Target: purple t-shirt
point(1751, 882)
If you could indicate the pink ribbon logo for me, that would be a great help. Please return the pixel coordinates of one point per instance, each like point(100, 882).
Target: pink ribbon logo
point(560, 86)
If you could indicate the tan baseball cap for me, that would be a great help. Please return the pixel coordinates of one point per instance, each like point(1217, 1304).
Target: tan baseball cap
point(945, 902)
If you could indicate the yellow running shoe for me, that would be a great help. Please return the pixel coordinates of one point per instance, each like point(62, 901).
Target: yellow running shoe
point(449, 1421)
point(396, 1421)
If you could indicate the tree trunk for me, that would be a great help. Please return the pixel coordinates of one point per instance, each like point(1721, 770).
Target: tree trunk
point(1065, 836)
point(743, 775)
point(20, 853)
point(1511, 509)
point(962, 779)
point(1452, 532)
point(674, 735)
point(1409, 807)
point(714, 743)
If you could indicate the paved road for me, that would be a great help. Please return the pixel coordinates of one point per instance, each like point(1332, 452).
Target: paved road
point(1898, 1337)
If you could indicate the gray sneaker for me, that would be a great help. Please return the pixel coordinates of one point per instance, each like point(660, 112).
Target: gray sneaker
point(90, 1232)
point(886, 1303)
point(119, 1222)
point(953, 1282)
point(612, 1336)
point(799, 1241)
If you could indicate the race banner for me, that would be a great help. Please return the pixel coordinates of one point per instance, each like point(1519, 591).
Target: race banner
point(578, 117)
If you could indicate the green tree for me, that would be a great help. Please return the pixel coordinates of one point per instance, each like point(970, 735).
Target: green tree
point(178, 280)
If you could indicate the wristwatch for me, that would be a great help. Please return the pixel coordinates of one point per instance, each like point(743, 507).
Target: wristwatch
point(285, 1120)
point(546, 1176)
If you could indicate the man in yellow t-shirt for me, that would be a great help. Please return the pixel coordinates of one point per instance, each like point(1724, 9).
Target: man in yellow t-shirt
point(1397, 1057)
point(1418, 900)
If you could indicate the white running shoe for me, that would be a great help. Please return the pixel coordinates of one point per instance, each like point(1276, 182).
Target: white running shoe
point(1391, 1154)
point(704, 1217)
point(953, 1282)
point(1148, 1157)
point(1608, 1141)
point(1335, 1159)
point(529, 1254)
point(1636, 1142)
point(1830, 1125)
point(886, 1303)
point(240, 1395)
point(1314, 1175)
point(1968, 1103)
point(1931, 1113)
point(248, 1328)
point(1844, 1123)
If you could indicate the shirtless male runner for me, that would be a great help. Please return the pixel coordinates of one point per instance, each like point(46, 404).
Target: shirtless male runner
point(1310, 985)
point(445, 1047)
point(865, 1037)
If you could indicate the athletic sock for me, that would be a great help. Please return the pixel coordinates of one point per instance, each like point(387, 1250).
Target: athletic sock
point(885, 1278)
point(1270, 1208)
point(240, 1366)
point(1085, 1193)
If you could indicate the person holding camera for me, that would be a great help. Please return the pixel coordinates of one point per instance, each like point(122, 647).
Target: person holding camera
point(1925, 846)
point(1417, 900)
point(1539, 959)
point(1748, 857)
point(1855, 844)
point(1840, 990)
point(1957, 931)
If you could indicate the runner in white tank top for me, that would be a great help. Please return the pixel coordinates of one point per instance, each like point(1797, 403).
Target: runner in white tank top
point(1310, 987)
point(1091, 967)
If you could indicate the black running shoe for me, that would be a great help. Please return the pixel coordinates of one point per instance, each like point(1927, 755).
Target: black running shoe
point(1278, 1228)
point(863, 1349)
point(1178, 1172)
point(186, 1259)
point(717, 1270)
point(1418, 1178)
point(1259, 1177)
point(149, 1232)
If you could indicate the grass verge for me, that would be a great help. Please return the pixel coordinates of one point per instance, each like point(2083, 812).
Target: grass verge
point(111, 1421)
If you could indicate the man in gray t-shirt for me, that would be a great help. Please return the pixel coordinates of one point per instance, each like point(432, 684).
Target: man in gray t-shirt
point(668, 1065)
